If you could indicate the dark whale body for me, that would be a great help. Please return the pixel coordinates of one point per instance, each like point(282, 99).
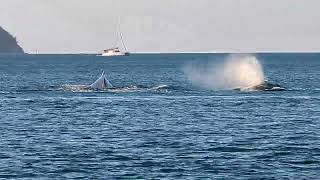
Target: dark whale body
point(265, 86)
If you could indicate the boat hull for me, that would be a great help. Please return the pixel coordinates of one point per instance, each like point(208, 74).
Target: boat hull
point(115, 54)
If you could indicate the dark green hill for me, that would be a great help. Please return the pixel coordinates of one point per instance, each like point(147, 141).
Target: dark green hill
point(8, 43)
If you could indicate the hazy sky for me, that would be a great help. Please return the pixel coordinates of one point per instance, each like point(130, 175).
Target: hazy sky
point(62, 26)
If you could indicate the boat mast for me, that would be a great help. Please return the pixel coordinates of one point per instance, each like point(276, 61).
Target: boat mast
point(125, 48)
point(120, 34)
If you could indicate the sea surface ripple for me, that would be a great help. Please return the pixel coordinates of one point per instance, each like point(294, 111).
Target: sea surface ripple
point(159, 125)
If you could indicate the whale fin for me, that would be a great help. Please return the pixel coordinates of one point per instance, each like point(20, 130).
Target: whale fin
point(101, 83)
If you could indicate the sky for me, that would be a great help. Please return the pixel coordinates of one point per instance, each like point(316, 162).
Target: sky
point(89, 26)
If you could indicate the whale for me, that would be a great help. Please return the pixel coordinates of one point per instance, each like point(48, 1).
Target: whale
point(101, 83)
point(268, 86)
point(264, 86)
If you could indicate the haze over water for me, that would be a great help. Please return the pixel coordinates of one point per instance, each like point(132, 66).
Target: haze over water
point(159, 123)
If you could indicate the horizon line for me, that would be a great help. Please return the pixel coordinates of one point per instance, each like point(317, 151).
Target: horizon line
point(184, 52)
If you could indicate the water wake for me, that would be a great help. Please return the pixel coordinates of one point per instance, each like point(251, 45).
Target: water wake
point(236, 72)
point(131, 88)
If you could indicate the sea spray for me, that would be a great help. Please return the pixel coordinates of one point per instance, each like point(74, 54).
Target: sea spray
point(236, 71)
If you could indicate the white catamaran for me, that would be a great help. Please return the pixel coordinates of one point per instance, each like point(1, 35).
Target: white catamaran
point(115, 51)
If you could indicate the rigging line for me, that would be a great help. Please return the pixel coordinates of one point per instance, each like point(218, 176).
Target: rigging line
point(120, 34)
point(123, 42)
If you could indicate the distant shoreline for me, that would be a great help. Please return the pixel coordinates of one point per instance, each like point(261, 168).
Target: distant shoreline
point(9, 43)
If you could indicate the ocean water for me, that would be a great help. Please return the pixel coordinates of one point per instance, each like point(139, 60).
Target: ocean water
point(157, 124)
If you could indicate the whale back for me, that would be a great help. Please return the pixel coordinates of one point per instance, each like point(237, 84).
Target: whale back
point(101, 83)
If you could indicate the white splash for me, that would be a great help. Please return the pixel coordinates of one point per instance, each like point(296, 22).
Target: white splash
point(237, 71)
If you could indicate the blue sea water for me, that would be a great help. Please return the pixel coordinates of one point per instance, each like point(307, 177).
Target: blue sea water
point(157, 124)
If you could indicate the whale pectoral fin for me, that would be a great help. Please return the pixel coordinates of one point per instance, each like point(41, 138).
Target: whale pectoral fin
point(107, 83)
point(101, 83)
